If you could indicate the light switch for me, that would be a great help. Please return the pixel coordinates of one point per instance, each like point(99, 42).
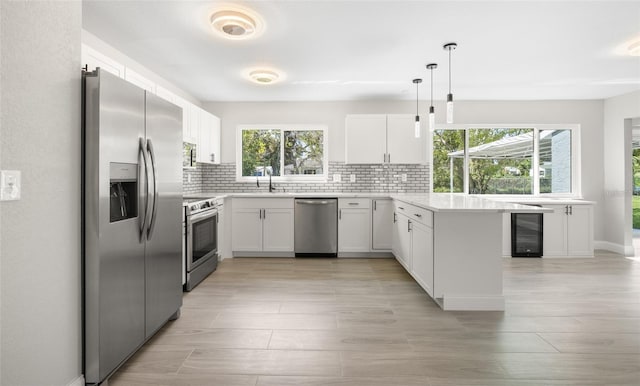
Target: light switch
point(352, 178)
point(404, 177)
point(337, 178)
point(9, 185)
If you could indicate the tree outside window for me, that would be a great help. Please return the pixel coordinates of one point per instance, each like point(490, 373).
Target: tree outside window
point(500, 160)
point(291, 152)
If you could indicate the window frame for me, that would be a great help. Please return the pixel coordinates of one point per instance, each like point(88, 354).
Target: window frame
point(282, 128)
point(576, 172)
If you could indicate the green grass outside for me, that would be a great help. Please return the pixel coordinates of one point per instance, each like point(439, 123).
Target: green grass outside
point(636, 212)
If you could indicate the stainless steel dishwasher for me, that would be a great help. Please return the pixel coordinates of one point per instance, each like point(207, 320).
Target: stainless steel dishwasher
point(316, 227)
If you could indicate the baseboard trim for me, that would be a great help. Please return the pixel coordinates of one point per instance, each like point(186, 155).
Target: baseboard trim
point(614, 247)
point(471, 303)
point(78, 381)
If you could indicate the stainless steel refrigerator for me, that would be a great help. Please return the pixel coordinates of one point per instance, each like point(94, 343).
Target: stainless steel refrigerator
point(132, 213)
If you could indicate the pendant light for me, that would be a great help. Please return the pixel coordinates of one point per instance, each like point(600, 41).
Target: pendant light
point(417, 127)
point(449, 47)
point(432, 113)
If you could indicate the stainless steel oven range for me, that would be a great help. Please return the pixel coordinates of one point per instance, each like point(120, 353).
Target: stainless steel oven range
point(201, 228)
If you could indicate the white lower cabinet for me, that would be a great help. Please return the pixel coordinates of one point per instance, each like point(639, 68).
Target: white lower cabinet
point(568, 231)
point(262, 225)
point(277, 230)
point(354, 225)
point(413, 242)
point(382, 225)
point(422, 255)
point(402, 240)
point(247, 229)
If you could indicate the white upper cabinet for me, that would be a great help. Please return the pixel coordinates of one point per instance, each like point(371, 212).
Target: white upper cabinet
point(402, 145)
point(366, 139)
point(166, 95)
point(139, 80)
point(208, 150)
point(380, 138)
point(94, 59)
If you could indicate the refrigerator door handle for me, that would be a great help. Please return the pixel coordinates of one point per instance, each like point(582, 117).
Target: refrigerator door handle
point(154, 205)
point(143, 217)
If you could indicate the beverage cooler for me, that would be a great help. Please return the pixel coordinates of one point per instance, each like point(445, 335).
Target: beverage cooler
point(526, 234)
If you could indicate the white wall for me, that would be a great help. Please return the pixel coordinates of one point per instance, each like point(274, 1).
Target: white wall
point(40, 234)
point(586, 113)
point(617, 170)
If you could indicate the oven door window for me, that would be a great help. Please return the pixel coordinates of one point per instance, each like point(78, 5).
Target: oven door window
point(204, 238)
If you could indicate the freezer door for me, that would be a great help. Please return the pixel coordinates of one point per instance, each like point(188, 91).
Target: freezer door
point(114, 252)
point(163, 255)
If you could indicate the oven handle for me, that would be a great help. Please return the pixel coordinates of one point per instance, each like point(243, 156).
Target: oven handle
point(154, 206)
point(142, 220)
point(201, 216)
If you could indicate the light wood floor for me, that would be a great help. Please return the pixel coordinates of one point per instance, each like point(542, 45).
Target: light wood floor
point(268, 322)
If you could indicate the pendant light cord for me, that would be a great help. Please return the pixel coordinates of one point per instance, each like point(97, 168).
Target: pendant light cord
point(417, 98)
point(431, 86)
point(449, 70)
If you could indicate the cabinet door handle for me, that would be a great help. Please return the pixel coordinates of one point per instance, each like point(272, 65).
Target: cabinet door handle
point(409, 226)
point(566, 210)
point(389, 158)
point(417, 215)
point(395, 217)
point(571, 210)
point(213, 157)
point(354, 203)
point(400, 208)
point(340, 214)
point(264, 214)
point(374, 205)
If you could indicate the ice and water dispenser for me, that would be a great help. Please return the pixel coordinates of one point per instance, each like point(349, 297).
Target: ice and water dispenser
point(123, 191)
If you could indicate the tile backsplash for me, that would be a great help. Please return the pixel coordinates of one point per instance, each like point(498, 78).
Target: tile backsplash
point(368, 179)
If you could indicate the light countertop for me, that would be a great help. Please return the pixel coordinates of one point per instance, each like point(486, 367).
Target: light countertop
point(437, 202)
point(446, 202)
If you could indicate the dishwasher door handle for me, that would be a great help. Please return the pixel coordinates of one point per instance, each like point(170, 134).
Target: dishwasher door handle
point(313, 202)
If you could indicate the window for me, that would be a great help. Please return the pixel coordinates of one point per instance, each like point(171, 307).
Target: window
point(285, 152)
point(538, 159)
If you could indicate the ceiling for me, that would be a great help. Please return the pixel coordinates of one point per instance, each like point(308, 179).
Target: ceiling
point(371, 50)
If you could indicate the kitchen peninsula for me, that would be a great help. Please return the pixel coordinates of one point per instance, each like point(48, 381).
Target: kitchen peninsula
point(453, 249)
point(451, 244)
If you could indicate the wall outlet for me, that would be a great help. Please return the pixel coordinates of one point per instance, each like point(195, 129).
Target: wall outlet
point(9, 185)
point(352, 178)
point(337, 178)
point(404, 177)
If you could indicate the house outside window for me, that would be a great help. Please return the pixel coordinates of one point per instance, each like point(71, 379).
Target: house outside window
point(286, 152)
point(499, 160)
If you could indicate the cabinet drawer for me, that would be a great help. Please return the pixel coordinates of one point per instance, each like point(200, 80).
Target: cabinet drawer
point(421, 215)
point(267, 203)
point(415, 213)
point(354, 203)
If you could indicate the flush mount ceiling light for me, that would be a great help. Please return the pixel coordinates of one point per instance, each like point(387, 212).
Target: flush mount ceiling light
point(417, 126)
point(264, 76)
point(449, 47)
point(236, 24)
point(432, 113)
point(634, 48)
